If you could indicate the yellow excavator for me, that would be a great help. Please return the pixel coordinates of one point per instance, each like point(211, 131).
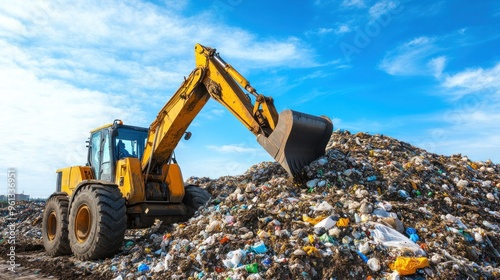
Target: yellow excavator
point(131, 177)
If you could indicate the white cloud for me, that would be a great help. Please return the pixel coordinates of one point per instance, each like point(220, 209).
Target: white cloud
point(45, 124)
point(382, 7)
point(323, 31)
point(212, 111)
point(68, 67)
point(217, 112)
point(234, 149)
point(9, 26)
point(318, 73)
point(470, 126)
point(474, 80)
point(437, 65)
point(413, 58)
point(343, 28)
point(468, 129)
point(264, 54)
point(107, 39)
point(175, 4)
point(467, 125)
point(417, 42)
point(354, 3)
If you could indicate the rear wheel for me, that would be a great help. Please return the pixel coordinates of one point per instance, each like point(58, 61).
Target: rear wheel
point(194, 198)
point(55, 226)
point(97, 222)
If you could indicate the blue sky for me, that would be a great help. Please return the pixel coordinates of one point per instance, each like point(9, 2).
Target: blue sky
point(425, 72)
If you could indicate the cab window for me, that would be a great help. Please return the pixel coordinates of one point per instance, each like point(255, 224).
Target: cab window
point(106, 172)
point(129, 143)
point(95, 153)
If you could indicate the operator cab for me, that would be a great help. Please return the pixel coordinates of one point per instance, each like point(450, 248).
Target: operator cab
point(111, 143)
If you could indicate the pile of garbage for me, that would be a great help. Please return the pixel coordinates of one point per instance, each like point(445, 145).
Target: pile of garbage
point(23, 217)
point(372, 208)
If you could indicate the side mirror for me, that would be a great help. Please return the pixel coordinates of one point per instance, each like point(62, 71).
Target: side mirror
point(188, 135)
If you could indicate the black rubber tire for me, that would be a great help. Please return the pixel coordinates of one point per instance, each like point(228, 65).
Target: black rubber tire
point(194, 198)
point(108, 222)
point(59, 245)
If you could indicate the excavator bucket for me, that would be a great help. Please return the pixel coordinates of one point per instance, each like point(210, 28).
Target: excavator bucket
point(297, 140)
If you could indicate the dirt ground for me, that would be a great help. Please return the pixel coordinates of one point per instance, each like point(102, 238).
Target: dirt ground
point(33, 263)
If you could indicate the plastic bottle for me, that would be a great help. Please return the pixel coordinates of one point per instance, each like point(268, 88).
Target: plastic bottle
point(454, 230)
point(364, 247)
point(490, 225)
point(357, 218)
point(362, 256)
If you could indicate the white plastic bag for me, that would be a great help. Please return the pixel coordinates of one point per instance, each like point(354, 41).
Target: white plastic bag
point(323, 206)
point(326, 223)
point(390, 237)
point(235, 258)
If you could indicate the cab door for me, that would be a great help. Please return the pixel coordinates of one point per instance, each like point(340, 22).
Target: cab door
point(106, 160)
point(99, 157)
point(94, 157)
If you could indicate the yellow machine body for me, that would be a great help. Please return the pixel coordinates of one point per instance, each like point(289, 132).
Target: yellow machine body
point(149, 178)
point(128, 178)
point(68, 178)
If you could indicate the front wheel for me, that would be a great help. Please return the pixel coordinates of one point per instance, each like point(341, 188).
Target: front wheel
point(55, 226)
point(97, 222)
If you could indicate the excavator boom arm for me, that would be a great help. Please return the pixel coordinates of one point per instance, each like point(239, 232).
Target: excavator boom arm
point(287, 140)
point(173, 120)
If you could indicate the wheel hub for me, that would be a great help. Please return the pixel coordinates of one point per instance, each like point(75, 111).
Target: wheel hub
point(52, 225)
point(83, 222)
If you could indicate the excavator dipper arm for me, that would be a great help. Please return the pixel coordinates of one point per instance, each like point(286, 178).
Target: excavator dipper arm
point(293, 139)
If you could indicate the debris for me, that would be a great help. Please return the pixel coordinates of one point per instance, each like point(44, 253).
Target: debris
point(371, 205)
point(408, 265)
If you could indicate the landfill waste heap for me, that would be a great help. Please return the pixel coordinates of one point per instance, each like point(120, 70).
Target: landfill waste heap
point(372, 208)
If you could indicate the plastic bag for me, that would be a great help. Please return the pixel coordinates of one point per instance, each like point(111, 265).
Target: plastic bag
point(323, 206)
point(327, 223)
point(143, 267)
point(380, 212)
point(235, 258)
point(408, 265)
point(312, 251)
point(343, 222)
point(259, 248)
point(390, 237)
point(252, 268)
point(412, 233)
point(312, 221)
